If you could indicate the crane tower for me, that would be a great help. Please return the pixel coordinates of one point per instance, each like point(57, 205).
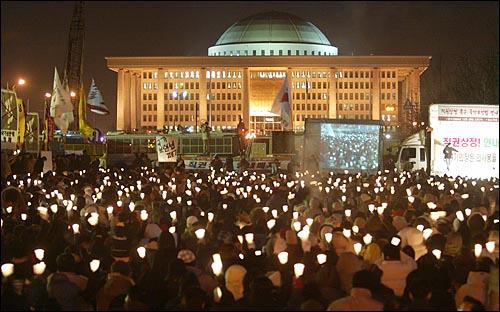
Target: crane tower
point(73, 65)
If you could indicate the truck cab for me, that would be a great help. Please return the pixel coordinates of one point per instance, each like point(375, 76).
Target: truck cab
point(411, 155)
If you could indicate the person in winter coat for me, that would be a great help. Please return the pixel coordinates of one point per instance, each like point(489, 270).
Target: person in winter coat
point(360, 298)
point(396, 266)
point(477, 283)
point(411, 236)
point(118, 282)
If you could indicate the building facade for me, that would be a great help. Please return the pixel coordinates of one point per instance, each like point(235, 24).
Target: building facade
point(244, 71)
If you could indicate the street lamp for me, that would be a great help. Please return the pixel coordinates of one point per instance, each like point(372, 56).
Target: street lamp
point(176, 95)
point(19, 82)
point(46, 114)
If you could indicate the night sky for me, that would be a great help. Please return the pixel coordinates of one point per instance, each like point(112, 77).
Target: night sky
point(35, 34)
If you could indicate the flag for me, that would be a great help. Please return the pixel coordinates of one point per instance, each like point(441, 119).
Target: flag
point(61, 107)
point(95, 101)
point(22, 123)
point(46, 117)
point(281, 106)
point(85, 128)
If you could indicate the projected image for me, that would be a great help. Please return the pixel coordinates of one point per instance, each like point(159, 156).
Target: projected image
point(349, 146)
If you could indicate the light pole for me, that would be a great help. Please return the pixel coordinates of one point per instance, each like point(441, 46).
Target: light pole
point(177, 95)
point(46, 115)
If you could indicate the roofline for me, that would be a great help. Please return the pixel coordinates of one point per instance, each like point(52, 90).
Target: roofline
point(116, 63)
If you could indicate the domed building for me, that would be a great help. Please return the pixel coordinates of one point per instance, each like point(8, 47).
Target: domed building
point(245, 70)
point(272, 33)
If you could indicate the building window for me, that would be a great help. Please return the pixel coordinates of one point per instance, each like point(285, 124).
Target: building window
point(262, 52)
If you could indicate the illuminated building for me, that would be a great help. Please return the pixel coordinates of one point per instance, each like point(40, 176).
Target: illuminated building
point(244, 70)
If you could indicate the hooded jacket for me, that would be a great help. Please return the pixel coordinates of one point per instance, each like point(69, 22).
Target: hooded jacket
point(476, 287)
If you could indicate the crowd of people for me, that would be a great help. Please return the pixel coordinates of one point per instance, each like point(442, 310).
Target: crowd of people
point(138, 237)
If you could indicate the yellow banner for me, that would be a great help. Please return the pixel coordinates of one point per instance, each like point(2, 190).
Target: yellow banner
point(22, 122)
point(85, 128)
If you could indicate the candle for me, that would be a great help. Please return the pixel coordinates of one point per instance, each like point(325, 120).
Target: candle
point(249, 238)
point(200, 233)
point(478, 248)
point(141, 251)
point(437, 253)
point(298, 269)
point(328, 237)
point(39, 268)
point(39, 253)
point(7, 269)
point(321, 258)
point(283, 257)
point(357, 248)
point(95, 263)
point(367, 239)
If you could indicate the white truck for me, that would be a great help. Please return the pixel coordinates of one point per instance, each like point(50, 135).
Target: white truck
point(470, 130)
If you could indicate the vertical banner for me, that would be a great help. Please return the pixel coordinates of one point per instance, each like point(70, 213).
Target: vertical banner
point(32, 134)
point(166, 147)
point(10, 117)
point(22, 123)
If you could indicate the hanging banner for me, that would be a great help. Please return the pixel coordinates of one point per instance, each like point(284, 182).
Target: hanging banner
point(10, 115)
point(31, 137)
point(166, 147)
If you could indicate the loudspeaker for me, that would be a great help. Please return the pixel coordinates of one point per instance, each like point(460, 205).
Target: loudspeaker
point(283, 142)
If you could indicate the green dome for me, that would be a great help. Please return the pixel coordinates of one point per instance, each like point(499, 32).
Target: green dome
point(277, 27)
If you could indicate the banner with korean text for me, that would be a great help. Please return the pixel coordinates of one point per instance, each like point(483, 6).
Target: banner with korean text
point(166, 147)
